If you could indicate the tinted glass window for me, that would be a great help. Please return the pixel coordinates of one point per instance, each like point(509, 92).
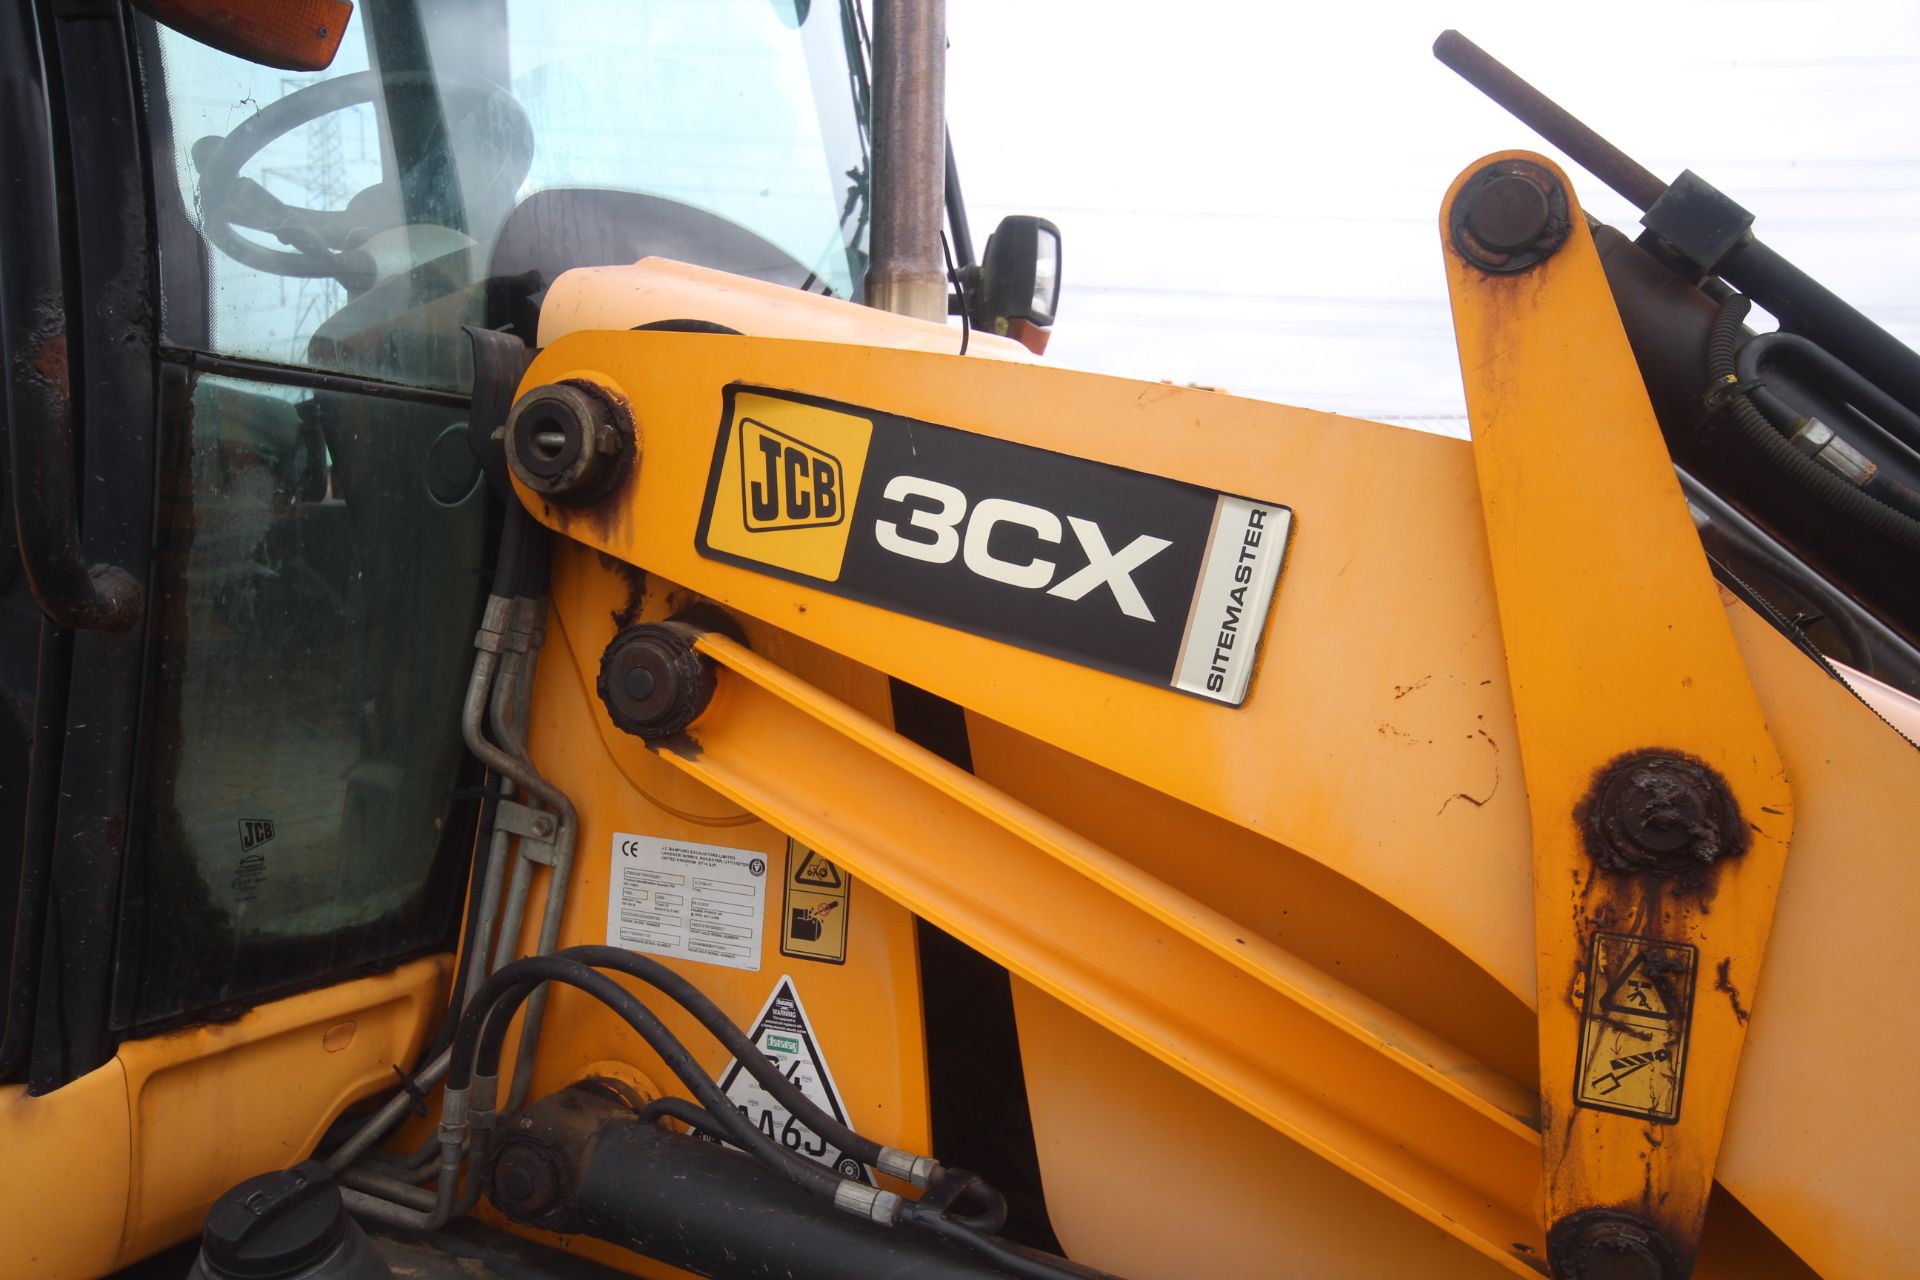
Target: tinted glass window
point(318, 562)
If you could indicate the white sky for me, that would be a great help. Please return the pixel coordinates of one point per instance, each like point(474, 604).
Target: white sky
point(1248, 193)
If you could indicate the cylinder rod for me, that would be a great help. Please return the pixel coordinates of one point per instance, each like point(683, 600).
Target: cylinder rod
point(1549, 119)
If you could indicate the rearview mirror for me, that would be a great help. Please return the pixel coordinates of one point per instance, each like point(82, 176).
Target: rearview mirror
point(1019, 279)
point(294, 35)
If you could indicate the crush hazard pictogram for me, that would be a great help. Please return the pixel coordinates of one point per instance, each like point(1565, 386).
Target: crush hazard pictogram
point(816, 870)
point(1633, 1031)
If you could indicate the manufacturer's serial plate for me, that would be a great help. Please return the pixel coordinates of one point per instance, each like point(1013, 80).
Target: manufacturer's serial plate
point(1145, 577)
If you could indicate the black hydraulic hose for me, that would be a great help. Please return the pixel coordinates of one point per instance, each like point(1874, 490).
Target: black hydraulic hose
point(1898, 425)
point(483, 1029)
point(512, 571)
point(1895, 417)
point(482, 1032)
point(988, 1204)
point(734, 1040)
point(1859, 507)
point(482, 857)
point(1801, 303)
point(509, 567)
point(691, 1114)
point(1010, 1257)
point(538, 552)
point(968, 1199)
point(1877, 483)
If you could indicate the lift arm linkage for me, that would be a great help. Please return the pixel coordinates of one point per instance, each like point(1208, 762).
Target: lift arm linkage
point(1661, 812)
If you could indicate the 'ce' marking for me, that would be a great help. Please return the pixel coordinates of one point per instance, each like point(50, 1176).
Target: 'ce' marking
point(629, 848)
point(943, 540)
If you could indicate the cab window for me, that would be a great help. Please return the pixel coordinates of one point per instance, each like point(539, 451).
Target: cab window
point(323, 529)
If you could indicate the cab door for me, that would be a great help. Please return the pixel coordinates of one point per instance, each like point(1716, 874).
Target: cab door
point(258, 771)
point(238, 814)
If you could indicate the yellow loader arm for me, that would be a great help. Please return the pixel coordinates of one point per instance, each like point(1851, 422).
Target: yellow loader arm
point(1131, 840)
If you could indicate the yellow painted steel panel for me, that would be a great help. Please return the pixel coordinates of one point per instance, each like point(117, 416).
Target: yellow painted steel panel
point(1823, 1130)
point(127, 1159)
point(64, 1177)
point(1382, 637)
point(219, 1102)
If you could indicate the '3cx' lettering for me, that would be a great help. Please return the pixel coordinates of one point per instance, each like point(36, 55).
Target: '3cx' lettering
point(937, 533)
point(791, 485)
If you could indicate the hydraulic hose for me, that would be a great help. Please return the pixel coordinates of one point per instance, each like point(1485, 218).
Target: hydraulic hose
point(1901, 424)
point(479, 1042)
point(477, 1047)
point(921, 1171)
point(690, 1114)
point(1890, 424)
point(1004, 1254)
point(1828, 487)
point(734, 1040)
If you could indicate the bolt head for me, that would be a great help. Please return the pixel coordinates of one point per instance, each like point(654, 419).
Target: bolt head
point(652, 681)
point(1508, 214)
point(1662, 812)
point(1607, 1244)
point(514, 1182)
point(640, 683)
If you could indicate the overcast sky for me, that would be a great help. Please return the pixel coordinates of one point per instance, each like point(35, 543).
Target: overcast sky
point(1248, 192)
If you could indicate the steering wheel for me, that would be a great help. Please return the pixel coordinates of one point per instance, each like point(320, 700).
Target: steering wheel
point(320, 237)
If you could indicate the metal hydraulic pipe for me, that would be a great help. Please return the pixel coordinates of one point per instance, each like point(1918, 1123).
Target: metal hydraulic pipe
point(402, 1193)
point(499, 693)
point(907, 274)
point(479, 962)
point(510, 718)
point(387, 1116)
point(483, 684)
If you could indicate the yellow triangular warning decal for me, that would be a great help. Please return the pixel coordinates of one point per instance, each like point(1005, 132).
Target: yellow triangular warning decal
point(815, 869)
point(1641, 989)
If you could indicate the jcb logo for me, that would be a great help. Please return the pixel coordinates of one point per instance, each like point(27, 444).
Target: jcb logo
point(788, 484)
point(787, 475)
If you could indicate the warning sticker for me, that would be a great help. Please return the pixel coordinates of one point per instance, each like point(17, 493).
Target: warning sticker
point(814, 916)
point(1633, 1034)
point(697, 901)
point(784, 1035)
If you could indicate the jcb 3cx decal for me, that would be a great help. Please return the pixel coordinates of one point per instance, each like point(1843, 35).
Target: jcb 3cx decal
point(1139, 575)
